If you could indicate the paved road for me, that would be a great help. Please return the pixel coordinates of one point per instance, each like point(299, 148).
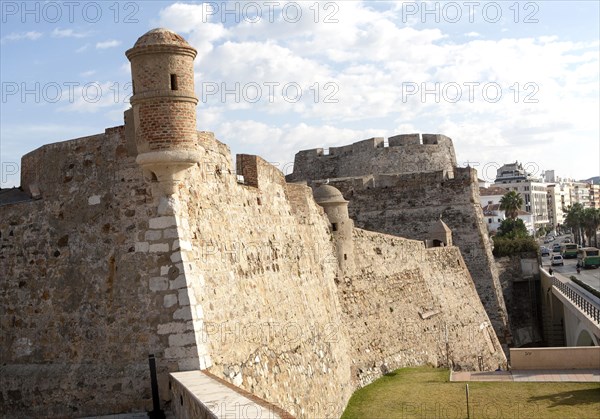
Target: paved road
point(589, 276)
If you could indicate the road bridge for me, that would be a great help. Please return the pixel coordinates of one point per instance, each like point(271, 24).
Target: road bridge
point(571, 315)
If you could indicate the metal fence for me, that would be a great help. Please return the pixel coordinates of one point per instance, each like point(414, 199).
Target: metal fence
point(584, 304)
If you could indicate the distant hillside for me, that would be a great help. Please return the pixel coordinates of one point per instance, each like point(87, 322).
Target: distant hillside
point(595, 180)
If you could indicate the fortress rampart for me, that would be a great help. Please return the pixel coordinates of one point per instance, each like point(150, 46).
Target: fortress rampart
point(400, 288)
point(238, 279)
point(408, 205)
point(128, 244)
point(406, 192)
point(402, 154)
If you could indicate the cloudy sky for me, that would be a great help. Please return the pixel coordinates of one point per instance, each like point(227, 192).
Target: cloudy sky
point(505, 80)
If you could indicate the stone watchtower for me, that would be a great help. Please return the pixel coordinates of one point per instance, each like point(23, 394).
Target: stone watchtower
point(164, 106)
point(336, 208)
point(440, 234)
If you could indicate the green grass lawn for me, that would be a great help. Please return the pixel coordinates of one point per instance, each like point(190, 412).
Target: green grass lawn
point(426, 392)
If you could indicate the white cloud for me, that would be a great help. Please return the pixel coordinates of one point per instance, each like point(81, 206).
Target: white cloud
point(370, 56)
point(259, 138)
point(82, 48)
point(195, 21)
point(18, 36)
point(125, 68)
point(88, 73)
point(94, 96)
point(68, 33)
point(108, 44)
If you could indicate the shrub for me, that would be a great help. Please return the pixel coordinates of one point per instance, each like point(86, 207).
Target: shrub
point(506, 246)
point(512, 228)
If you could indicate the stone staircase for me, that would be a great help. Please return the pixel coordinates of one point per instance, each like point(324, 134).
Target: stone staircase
point(554, 333)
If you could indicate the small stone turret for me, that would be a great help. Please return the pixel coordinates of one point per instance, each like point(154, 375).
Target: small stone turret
point(164, 106)
point(440, 234)
point(336, 208)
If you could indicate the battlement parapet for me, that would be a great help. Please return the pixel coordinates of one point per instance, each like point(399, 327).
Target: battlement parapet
point(57, 163)
point(210, 144)
point(404, 140)
point(405, 153)
point(258, 172)
point(401, 140)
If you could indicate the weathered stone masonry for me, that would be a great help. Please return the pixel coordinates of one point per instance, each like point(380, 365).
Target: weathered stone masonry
point(78, 317)
point(122, 257)
point(405, 153)
point(406, 197)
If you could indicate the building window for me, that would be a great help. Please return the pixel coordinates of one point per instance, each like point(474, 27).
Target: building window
point(174, 82)
point(334, 226)
point(489, 221)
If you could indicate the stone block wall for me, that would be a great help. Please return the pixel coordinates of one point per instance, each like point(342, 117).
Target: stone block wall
point(270, 308)
point(247, 166)
point(82, 164)
point(404, 154)
point(257, 172)
point(79, 312)
point(523, 303)
point(407, 305)
point(408, 205)
point(236, 279)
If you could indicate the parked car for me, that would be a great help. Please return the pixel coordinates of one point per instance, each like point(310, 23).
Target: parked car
point(567, 240)
point(557, 260)
point(556, 247)
point(544, 251)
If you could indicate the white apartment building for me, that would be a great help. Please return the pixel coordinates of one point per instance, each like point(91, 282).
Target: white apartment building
point(559, 199)
point(563, 192)
point(580, 192)
point(594, 195)
point(513, 177)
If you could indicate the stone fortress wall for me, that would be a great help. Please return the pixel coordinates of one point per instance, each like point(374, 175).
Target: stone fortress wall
point(239, 279)
point(78, 315)
point(426, 295)
point(396, 199)
point(102, 270)
point(115, 257)
point(405, 153)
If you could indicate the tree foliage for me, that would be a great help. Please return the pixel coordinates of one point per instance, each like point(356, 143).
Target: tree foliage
point(512, 228)
point(512, 238)
point(511, 203)
point(506, 246)
point(591, 222)
point(583, 222)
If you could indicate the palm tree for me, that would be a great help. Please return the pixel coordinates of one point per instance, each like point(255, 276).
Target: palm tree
point(590, 223)
point(511, 203)
point(574, 220)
